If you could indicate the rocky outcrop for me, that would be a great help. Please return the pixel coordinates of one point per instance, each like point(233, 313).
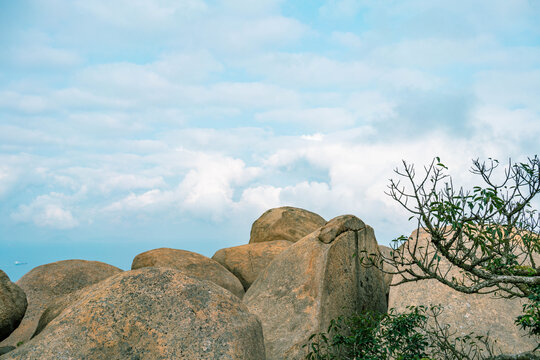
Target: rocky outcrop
point(12, 306)
point(464, 312)
point(386, 252)
point(247, 261)
point(193, 264)
point(150, 313)
point(46, 283)
point(284, 223)
point(313, 281)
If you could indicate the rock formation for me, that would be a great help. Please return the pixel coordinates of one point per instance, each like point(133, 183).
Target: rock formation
point(150, 313)
point(12, 306)
point(313, 281)
point(284, 223)
point(387, 253)
point(48, 282)
point(193, 264)
point(247, 261)
point(464, 312)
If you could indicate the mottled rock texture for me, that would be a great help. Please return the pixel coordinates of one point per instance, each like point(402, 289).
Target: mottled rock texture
point(464, 312)
point(150, 313)
point(48, 282)
point(247, 261)
point(6, 349)
point(192, 264)
point(284, 223)
point(313, 281)
point(12, 305)
point(387, 253)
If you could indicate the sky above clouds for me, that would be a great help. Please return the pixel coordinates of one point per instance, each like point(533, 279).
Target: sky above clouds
point(131, 125)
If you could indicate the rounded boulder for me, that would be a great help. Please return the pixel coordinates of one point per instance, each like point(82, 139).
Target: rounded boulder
point(48, 282)
point(247, 261)
point(150, 313)
point(12, 305)
point(284, 223)
point(192, 264)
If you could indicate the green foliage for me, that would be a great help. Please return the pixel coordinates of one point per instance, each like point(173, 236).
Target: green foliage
point(489, 233)
point(372, 336)
point(530, 320)
point(414, 335)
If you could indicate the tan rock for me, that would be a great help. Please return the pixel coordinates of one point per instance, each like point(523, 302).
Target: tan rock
point(313, 281)
point(387, 253)
point(12, 305)
point(150, 313)
point(284, 223)
point(464, 312)
point(247, 261)
point(48, 282)
point(193, 264)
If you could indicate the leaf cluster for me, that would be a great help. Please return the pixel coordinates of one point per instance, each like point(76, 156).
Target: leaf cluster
point(414, 335)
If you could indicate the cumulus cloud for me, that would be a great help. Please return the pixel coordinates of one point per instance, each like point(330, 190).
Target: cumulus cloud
point(48, 210)
point(220, 110)
point(319, 118)
point(42, 56)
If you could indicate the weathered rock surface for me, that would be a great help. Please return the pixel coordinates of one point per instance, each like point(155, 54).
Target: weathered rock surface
point(48, 282)
point(464, 312)
point(150, 313)
point(6, 349)
point(247, 261)
point(284, 223)
point(313, 281)
point(387, 253)
point(12, 305)
point(193, 264)
point(56, 306)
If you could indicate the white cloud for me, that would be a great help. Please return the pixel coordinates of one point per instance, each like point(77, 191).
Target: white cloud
point(136, 13)
point(8, 178)
point(148, 201)
point(43, 57)
point(250, 8)
point(209, 187)
point(347, 39)
point(314, 137)
point(240, 36)
point(25, 103)
point(47, 211)
point(340, 8)
point(317, 118)
point(317, 71)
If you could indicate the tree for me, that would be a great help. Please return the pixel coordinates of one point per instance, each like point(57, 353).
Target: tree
point(490, 233)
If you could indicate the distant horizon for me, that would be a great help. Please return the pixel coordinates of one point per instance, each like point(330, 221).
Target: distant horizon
point(132, 125)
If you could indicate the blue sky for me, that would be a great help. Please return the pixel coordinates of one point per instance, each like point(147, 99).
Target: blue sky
point(128, 125)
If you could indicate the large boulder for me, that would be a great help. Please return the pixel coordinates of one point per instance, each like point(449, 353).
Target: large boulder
point(314, 281)
point(387, 253)
point(193, 264)
point(481, 314)
point(284, 223)
point(247, 261)
point(48, 282)
point(12, 305)
point(150, 313)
